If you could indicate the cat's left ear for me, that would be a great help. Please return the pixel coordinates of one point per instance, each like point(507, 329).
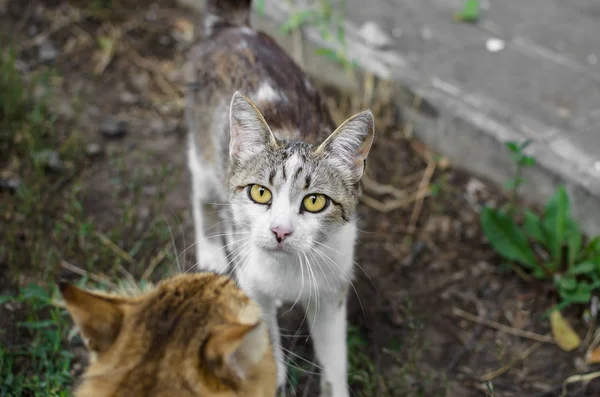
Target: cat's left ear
point(250, 133)
point(349, 145)
point(98, 317)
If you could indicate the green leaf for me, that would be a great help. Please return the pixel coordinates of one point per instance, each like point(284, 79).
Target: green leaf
point(296, 20)
point(260, 6)
point(592, 248)
point(567, 283)
point(555, 220)
point(534, 228)
point(583, 294)
point(583, 268)
point(574, 241)
point(34, 291)
point(527, 161)
point(506, 238)
point(514, 147)
point(469, 12)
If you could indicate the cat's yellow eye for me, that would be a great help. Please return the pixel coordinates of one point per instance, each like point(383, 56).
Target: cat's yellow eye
point(315, 202)
point(259, 194)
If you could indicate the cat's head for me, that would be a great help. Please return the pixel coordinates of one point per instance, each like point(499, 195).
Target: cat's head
point(289, 194)
point(192, 335)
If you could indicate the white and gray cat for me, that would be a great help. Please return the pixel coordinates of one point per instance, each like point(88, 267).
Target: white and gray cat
point(284, 182)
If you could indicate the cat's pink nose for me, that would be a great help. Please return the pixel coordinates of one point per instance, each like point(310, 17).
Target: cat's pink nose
point(280, 233)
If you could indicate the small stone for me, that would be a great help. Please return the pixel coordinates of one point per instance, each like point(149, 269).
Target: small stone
point(183, 30)
point(495, 44)
point(426, 33)
point(93, 149)
point(128, 98)
point(112, 128)
point(9, 181)
point(47, 51)
point(373, 35)
point(65, 110)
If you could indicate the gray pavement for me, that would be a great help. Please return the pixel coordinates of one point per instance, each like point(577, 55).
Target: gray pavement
point(541, 81)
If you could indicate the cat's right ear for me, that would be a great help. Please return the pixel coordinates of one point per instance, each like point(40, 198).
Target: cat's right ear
point(233, 349)
point(99, 318)
point(250, 133)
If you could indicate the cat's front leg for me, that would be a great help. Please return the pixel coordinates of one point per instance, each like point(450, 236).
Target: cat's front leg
point(327, 321)
point(269, 308)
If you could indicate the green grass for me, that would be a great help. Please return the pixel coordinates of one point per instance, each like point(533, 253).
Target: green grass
point(38, 363)
point(45, 222)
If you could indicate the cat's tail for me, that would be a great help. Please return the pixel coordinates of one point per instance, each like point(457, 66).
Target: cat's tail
point(220, 14)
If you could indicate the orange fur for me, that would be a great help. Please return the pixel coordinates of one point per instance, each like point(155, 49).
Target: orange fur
point(195, 335)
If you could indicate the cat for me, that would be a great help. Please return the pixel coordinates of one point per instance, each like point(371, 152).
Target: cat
point(193, 335)
point(284, 181)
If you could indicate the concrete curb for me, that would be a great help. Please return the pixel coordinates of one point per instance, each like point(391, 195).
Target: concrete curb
point(469, 129)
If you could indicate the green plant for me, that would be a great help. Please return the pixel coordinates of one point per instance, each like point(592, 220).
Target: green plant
point(469, 13)
point(550, 246)
point(47, 372)
point(330, 22)
point(361, 370)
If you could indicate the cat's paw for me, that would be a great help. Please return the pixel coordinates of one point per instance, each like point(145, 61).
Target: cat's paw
point(281, 376)
point(211, 257)
point(328, 390)
point(281, 391)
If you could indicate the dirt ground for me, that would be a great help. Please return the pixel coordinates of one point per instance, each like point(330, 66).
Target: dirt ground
point(427, 280)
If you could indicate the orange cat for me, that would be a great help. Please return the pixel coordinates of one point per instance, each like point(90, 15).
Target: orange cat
point(195, 335)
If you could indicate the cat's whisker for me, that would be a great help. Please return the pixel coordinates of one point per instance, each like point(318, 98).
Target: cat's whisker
point(227, 234)
point(241, 252)
point(244, 259)
point(173, 242)
point(355, 263)
point(317, 297)
point(322, 271)
point(301, 358)
point(301, 289)
point(309, 292)
point(329, 260)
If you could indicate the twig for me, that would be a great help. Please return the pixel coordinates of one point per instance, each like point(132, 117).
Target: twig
point(155, 262)
point(494, 374)
point(375, 187)
point(393, 204)
point(369, 90)
point(99, 279)
point(501, 327)
point(422, 186)
point(109, 51)
point(578, 378)
point(161, 81)
point(592, 326)
point(114, 247)
point(407, 131)
point(40, 38)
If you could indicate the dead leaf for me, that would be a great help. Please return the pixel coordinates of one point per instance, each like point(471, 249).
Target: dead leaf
point(593, 356)
point(564, 336)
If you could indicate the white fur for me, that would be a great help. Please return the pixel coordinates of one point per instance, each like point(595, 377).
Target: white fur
point(266, 93)
point(209, 256)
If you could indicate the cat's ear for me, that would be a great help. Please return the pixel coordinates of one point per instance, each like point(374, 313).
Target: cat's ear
point(250, 133)
point(348, 146)
point(99, 318)
point(235, 349)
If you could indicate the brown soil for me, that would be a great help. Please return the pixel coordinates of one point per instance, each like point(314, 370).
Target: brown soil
point(420, 265)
